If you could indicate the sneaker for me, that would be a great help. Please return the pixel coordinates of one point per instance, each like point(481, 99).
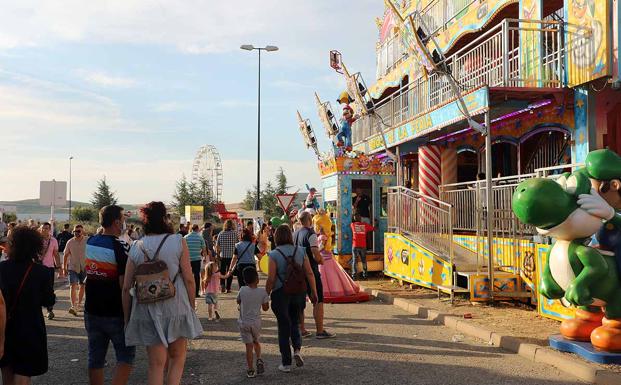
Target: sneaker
point(284, 368)
point(306, 334)
point(353, 276)
point(222, 290)
point(260, 366)
point(72, 311)
point(250, 373)
point(299, 362)
point(50, 315)
point(325, 334)
point(217, 315)
point(228, 291)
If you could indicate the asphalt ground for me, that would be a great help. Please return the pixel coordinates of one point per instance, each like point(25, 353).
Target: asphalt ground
point(376, 343)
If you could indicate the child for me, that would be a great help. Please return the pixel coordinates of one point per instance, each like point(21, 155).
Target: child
point(211, 284)
point(251, 299)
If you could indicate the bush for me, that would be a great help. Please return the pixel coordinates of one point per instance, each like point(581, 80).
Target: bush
point(84, 214)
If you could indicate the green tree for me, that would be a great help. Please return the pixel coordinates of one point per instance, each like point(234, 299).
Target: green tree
point(201, 195)
point(83, 214)
point(281, 182)
point(183, 195)
point(103, 196)
point(9, 217)
point(269, 203)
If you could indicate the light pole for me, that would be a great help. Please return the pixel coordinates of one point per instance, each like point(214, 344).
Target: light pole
point(70, 158)
point(268, 48)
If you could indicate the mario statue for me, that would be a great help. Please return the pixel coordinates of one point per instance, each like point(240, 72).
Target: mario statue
point(344, 134)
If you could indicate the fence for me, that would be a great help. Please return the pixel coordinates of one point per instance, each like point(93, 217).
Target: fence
point(493, 59)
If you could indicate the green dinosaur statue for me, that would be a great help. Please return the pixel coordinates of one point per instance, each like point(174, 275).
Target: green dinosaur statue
point(567, 210)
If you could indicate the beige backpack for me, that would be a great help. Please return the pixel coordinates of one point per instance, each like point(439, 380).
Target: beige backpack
point(153, 282)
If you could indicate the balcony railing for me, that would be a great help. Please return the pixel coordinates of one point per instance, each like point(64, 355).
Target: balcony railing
point(494, 59)
point(439, 14)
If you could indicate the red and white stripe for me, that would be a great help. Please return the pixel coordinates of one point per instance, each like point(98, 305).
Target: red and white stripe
point(429, 179)
point(449, 166)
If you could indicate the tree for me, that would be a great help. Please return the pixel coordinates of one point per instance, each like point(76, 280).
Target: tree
point(269, 202)
point(182, 196)
point(83, 214)
point(103, 196)
point(193, 194)
point(9, 217)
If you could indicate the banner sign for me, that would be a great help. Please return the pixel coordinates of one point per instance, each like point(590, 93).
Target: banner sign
point(477, 102)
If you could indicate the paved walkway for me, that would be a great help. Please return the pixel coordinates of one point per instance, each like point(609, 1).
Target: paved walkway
point(376, 344)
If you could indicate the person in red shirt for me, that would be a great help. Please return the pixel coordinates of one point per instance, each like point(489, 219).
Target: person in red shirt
point(359, 231)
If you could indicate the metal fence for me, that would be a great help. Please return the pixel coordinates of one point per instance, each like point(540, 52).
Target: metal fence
point(421, 218)
point(493, 59)
point(439, 14)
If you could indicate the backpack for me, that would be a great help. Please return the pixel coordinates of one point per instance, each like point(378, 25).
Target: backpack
point(153, 283)
point(295, 278)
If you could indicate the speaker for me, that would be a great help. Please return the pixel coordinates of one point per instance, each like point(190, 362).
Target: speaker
point(362, 88)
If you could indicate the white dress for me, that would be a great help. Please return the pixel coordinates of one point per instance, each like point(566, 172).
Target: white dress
point(165, 321)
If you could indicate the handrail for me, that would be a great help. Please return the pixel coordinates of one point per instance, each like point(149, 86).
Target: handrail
point(417, 195)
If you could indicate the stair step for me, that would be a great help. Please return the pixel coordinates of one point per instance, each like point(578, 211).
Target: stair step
point(455, 289)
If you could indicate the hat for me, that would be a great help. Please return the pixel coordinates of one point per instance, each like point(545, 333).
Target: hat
point(344, 98)
point(603, 165)
point(348, 108)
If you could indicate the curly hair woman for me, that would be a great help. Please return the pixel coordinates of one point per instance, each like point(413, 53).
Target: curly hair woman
point(26, 288)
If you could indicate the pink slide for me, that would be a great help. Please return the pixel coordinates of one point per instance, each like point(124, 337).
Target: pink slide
point(338, 287)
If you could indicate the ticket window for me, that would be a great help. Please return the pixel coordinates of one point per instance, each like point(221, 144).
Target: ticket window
point(362, 203)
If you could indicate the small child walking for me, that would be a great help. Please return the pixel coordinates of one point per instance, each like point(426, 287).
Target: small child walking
point(251, 299)
point(211, 284)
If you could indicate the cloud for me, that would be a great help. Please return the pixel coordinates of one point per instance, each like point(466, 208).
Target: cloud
point(105, 80)
point(170, 107)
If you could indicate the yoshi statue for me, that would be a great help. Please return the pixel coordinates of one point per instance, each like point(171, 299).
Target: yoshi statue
point(571, 211)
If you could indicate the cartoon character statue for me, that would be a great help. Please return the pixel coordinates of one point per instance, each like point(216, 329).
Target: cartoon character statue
point(568, 210)
point(604, 170)
point(311, 204)
point(322, 223)
point(344, 135)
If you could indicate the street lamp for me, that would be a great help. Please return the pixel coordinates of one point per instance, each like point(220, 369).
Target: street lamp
point(70, 158)
point(268, 48)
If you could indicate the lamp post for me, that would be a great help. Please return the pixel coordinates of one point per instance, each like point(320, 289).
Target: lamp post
point(268, 48)
point(70, 158)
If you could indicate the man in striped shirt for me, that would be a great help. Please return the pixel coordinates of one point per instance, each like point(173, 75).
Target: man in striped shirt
point(198, 250)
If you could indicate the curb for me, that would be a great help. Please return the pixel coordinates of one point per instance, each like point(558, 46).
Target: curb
point(563, 362)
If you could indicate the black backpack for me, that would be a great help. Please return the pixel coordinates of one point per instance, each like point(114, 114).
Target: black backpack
point(295, 278)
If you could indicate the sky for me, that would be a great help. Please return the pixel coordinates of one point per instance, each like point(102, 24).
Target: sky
point(132, 88)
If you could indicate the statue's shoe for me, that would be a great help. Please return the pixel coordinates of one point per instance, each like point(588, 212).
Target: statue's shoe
point(581, 327)
point(608, 336)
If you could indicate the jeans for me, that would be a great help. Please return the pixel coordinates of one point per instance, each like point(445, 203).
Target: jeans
point(225, 263)
point(240, 270)
point(101, 331)
point(196, 271)
point(362, 253)
point(287, 309)
point(344, 134)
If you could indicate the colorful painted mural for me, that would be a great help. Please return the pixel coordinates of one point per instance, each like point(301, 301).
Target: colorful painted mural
point(588, 39)
point(530, 43)
point(410, 262)
point(361, 164)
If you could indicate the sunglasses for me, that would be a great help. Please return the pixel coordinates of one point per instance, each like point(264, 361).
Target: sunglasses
point(77, 231)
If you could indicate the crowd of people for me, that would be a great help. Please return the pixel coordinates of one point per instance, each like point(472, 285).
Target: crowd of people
point(144, 291)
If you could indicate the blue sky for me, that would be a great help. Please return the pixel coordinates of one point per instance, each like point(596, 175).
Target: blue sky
point(132, 89)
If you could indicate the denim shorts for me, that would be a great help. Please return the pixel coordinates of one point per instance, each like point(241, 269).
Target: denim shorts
point(211, 299)
point(75, 277)
point(101, 331)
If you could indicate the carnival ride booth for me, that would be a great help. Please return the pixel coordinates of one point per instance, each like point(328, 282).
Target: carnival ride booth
point(357, 184)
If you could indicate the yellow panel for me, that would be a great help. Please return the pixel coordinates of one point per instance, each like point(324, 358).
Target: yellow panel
point(410, 262)
point(587, 61)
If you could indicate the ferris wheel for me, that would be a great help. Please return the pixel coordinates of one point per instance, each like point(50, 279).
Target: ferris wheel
point(208, 166)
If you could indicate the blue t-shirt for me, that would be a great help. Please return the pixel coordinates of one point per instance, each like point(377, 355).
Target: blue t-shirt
point(288, 250)
point(245, 252)
point(196, 244)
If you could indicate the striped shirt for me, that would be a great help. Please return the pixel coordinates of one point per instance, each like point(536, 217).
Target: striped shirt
point(106, 257)
point(226, 241)
point(196, 244)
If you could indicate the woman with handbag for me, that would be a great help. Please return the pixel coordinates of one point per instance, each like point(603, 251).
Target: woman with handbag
point(162, 315)
point(243, 256)
point(26, 288)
